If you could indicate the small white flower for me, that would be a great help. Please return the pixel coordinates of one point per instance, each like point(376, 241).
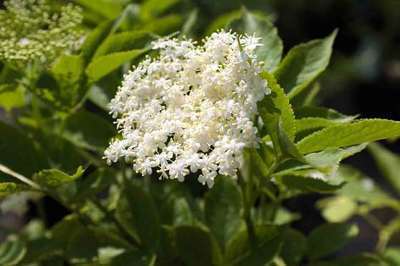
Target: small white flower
point(191, 110)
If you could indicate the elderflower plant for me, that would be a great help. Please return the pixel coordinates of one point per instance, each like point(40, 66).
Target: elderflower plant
point(190, 110)
point(31, 31)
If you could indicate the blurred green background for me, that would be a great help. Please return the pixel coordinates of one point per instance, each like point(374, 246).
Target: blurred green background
point(363, 77)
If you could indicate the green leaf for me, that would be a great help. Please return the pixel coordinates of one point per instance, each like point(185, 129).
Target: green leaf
point(94, 183)
point(279, 106)
point(94, 39)
point(81, 237)
point(41, 249)
point(307, 96)
point(337, 209)
point(271, 50)
point(223, 209)
point(88, 130)
point(329, 238)
point(362, 189)
point(343, 135)
point(223, 21)
point(322, 164)
point(123, 41)
point(311, 119)
point(100, 96)
point(68, 69)
point(103, 65)
point(11, 97)
point(137, 212)
point(287, 147)
point(12, 251)
point(322, 112)
point(314, 123)
point(133, 257)
point(190, 23)
point(105, 8)
point(241, 251)
point(182, 214)
point(18, 152)
point(327, 161)
point(163, 25)
point(361, 260)
point(55, 178)
point(392, 256)
point(294, 247)
point(152, 8)
point(196, 246)
point(254, 165)
point(303, 64)
point(308, 184)
point(388, 163)
point(70, 89)
point(9, 188)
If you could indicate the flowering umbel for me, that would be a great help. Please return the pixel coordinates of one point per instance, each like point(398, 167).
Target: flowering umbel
point(30, 30)
point(190, 110)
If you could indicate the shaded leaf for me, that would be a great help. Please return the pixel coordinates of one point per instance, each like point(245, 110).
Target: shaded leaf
point(362, 189)
point(163, 25)
point(223, 209)
point(322, 112)
point(254, 24)
point(88, 130)
point(241, 251)
point(133, 257)
point(196, 246)
point(138, 214)
point(294, 247)
point(105, 8)
point(388, 163)
point(18, 152)
point(223, 21)
point(153, 8)
point(329, 238)
point(94, 183)
point(308, 184)
point(12, 251)
point(94, 39)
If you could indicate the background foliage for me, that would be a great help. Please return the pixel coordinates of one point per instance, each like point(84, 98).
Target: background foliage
point(73, 209)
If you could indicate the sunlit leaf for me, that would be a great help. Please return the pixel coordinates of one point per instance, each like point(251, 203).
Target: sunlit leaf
point(303, 64)
point(367, 130)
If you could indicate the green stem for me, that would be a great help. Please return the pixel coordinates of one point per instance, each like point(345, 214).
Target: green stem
point(386, 233)
point(247, 213)
point(20, 177)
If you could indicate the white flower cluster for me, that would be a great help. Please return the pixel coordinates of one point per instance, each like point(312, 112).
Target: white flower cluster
point(34, 30)
point(190, 110)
